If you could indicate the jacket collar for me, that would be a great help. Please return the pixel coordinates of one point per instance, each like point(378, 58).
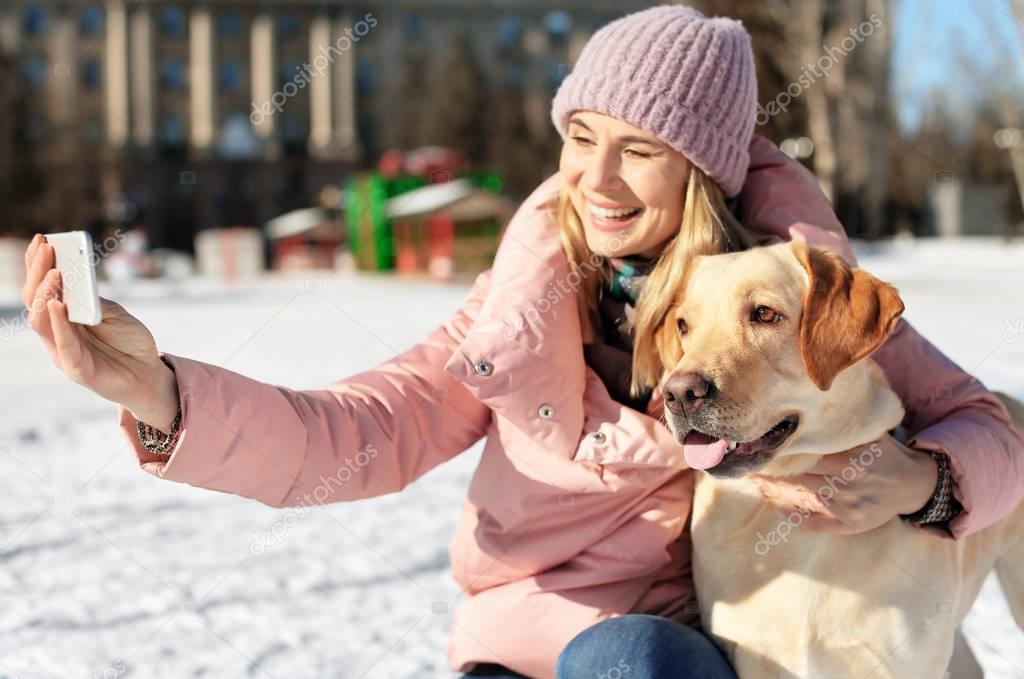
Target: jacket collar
point(528, 330)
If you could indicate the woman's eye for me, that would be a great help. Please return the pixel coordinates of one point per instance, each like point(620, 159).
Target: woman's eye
point(764, 314)
point(581, 140)
point(681, 324)
point(637, 154)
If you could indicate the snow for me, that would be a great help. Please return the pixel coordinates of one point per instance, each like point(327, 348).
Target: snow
point(106, 571)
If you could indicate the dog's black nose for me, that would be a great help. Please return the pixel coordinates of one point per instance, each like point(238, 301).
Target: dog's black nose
point(688, 392)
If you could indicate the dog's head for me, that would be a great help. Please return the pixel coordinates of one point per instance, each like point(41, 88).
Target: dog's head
point(754, 345)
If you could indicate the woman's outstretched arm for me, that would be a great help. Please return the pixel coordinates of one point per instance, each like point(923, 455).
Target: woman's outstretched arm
point(366, 435)
point(369, 434)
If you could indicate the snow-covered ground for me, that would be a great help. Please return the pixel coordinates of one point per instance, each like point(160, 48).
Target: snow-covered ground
point(106, 571)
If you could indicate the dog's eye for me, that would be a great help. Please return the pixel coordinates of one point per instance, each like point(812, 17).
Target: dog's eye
point(764, 314)
point(681, 324)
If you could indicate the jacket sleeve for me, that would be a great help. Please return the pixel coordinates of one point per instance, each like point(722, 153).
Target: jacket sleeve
point(948, 410)
point(781, 199)
point(369, 434)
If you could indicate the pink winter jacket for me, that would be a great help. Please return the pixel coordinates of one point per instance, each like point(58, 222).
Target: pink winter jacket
point(576, 511)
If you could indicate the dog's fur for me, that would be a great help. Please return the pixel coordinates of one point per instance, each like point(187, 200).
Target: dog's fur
point(781, 600)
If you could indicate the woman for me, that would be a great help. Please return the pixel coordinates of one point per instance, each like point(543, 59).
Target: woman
point(576, 512)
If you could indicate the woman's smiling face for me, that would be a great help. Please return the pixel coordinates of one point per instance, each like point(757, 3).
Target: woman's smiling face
point(625, 184)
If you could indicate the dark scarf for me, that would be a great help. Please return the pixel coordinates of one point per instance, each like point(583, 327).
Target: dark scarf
point(611, 353)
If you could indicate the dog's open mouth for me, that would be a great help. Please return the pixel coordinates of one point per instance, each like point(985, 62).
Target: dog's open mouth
point(704, 452)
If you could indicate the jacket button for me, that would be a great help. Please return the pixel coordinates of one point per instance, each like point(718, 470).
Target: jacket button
point(598, 437)
point(546, 411)
point(483, 368)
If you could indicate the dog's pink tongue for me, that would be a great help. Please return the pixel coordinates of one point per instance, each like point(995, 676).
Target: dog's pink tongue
point(703, 452)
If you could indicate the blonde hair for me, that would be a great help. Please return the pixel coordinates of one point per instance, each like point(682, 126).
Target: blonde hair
point(707, 228)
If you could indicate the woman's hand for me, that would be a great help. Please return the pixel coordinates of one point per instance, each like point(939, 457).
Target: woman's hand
point(117, 359)
point(858, 489)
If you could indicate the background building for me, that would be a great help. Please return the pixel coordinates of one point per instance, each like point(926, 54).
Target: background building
point(181, 116)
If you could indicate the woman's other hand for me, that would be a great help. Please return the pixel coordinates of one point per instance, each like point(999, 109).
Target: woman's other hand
point(858, 489)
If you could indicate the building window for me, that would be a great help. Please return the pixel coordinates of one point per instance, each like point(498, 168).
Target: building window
point(558, 24)
point(236, 138)
point(172, 22)
point(172, 74)
point(293, 130)
point(172, 132)
point(290, 70)
point(230, 75)
point(34, 20)
point(365, 78)
point(33, 69)
point(557, 73)
point(288, 26)
point(92, 74)
point(229, 25)
point(90, 21)
point(413, 26)
point(510, 33)
point(93, 130)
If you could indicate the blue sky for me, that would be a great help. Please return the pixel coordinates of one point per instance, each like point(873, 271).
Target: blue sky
point(932, 37)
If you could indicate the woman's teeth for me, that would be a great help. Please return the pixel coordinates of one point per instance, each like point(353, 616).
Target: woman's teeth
point(605, 213)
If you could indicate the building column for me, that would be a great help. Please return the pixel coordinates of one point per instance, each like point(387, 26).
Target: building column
point(201, 112)
point(141, 71)
point(115, 73)
point(345, 93)
point(261, 75)
point(62, 76)
point(321, 54)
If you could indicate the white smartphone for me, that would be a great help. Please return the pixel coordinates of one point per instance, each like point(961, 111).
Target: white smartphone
point(77, 266)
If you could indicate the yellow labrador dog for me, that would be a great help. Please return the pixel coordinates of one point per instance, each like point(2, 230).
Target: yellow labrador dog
point(767, 369)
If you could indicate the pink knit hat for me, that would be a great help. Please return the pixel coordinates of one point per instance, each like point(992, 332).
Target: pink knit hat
point(677, 74)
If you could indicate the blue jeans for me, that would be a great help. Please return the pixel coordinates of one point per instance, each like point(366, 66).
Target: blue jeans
point(635, 646)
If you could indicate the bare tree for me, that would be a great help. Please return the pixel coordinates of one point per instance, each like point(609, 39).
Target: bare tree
point(881, 125)
point(829, 59)
point(1011, 116)
point(512, 149)
point(858, 93)
point(1003, 93)
point(805, 28)
point(455, 113)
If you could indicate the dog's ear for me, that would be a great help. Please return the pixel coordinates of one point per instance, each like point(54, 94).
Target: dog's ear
point(847, 314)
point(656, 346)
point(656, 349)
